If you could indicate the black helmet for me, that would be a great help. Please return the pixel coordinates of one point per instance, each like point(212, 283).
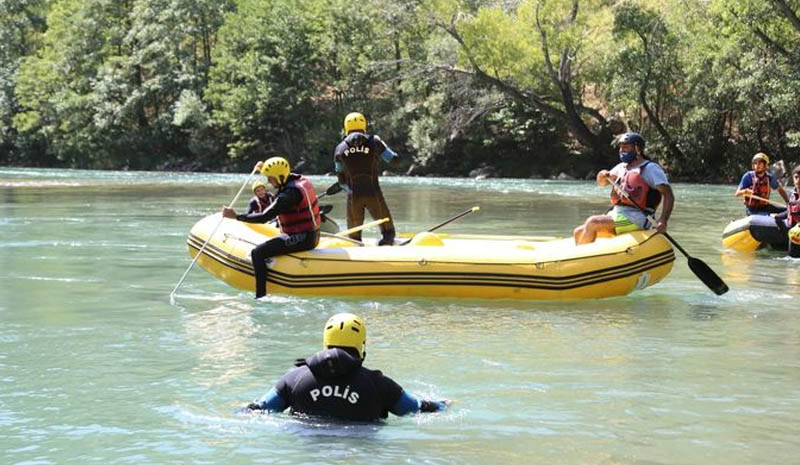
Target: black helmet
point(631, 138)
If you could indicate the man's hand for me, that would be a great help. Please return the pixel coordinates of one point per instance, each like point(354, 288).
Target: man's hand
point(744, 192)
point(661, 225)
point(258, 166)
point(604, 178)
point(228, 212)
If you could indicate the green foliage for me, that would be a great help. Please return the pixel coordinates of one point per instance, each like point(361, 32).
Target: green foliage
point(529, 87)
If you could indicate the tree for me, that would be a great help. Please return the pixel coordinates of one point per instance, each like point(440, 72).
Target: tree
point(543, 54)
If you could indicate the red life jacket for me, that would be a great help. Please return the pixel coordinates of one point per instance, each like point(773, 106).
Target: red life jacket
point(761, 189)
point(258, 205)
point(793, 208)
point(305, 216)
point(641, 195)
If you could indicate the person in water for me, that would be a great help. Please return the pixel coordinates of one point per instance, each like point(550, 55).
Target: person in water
point(356, 161)
point(789, 220)
point(297, 210)
point(262, 198)
point(334, 382)
point(646, 185)
point(759, 182)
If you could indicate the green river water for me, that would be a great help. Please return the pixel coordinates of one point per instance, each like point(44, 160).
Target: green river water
point(96, 365)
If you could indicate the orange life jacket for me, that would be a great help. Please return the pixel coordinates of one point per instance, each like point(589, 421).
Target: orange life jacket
point(640, 194)
point(761, 189)
point(305, 216)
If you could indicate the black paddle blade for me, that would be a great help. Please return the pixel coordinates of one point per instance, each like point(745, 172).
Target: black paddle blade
point(707, 275)
point(334, 189)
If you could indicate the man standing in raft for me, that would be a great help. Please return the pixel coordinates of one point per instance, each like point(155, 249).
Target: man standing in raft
point(759, 183)
point(297, 211)
point(356, 161)
point(645, 183)
point(334, 383)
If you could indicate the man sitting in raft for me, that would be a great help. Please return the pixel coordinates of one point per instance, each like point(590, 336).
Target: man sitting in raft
point(297, 211)
point(334, 383)
point(758, 182)
point(261, 198)
point(645, 183)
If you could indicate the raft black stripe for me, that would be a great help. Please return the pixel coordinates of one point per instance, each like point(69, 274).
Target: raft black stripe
point(487, 280)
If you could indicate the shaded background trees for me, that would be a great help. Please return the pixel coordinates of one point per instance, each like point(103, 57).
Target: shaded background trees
point(525, 88)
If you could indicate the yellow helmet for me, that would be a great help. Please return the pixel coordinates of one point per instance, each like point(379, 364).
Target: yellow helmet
point(258, 184)
point(794, 234)
point(355, 122)
point(760, 156)
point(276, 167)
point(346, 330)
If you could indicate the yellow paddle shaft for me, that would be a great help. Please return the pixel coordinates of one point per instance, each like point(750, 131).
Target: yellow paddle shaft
point(364, 226)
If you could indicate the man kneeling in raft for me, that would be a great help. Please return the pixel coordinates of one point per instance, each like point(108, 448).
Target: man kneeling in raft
point(297, 211)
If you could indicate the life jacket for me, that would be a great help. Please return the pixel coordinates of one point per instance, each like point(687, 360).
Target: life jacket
point(258, 205)
point(639, 192)
point(761, 189)
point(333, 383)
point(793, 208)
point(305, 215)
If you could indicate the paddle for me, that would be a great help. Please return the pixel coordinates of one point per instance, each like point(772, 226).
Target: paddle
point(364, 226)
point(444, 223)
point(777, 204)
point(334, 189)
point(698, 267)
point(200, 252)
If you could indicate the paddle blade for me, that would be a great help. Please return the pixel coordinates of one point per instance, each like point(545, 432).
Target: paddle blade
point(334, 189)
point(707, 275)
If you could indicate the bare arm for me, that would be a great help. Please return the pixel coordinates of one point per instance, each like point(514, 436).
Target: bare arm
point(666, 209)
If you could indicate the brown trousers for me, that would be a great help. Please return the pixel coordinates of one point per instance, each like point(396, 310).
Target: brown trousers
point(376, 205)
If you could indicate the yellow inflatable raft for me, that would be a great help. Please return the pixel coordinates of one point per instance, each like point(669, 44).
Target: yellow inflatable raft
point(440, 265)
point(752, 232)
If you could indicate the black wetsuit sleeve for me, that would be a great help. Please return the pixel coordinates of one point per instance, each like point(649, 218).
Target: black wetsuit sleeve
point(286, 200)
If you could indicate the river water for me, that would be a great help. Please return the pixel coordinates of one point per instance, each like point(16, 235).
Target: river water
point(96, 365)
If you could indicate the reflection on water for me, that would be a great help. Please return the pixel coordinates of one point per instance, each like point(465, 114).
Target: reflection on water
point(91, 352)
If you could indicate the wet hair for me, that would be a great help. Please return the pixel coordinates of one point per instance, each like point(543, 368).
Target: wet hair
point(796, 170)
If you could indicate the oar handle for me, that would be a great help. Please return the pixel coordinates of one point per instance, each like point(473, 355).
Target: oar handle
point(677, 246)
point(362, 227)
point(200, 252)
point(462, 214)
point(771, 202)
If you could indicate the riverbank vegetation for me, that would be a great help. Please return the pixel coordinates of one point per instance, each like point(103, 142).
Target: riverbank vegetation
point(517, 88)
